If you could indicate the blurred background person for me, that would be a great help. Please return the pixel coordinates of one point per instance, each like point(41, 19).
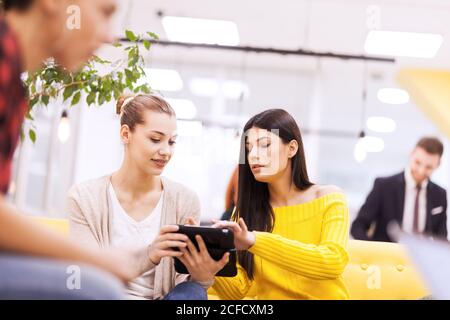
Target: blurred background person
point(409, 198)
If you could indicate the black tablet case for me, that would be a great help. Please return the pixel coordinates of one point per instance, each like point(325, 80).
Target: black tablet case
point(218, 241)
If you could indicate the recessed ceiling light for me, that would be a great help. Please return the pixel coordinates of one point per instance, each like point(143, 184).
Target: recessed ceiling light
point(230, 89)
point(164, 79)
point(204, 87)
point(373, 144)
point(393, 96)
point(184, 108)
point(381, 124)
point(359, 151)
point(403, 44)
point(207, 31)
point(234, 89)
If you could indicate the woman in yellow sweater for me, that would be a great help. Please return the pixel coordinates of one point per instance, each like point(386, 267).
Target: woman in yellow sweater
point(296, 248)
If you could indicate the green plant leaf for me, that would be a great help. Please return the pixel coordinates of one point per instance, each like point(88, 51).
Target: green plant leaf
point(100, 60)
point(91, 98)
point(117, 93)
point(146, 89)
point(32, 135)
point(130, 35)
point(45, 99)
point(129, 75)
point(68, 91)
point(101, 98)
point(67, 78)
point(29, 116)
point(147, 44)
point(153, 35)
point(76, 98)
point(52, 81)
point(33, 101)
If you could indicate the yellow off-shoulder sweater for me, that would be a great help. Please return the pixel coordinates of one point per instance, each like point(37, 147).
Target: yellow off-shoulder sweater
point(302, 258)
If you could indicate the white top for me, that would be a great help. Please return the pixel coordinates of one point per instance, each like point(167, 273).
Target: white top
point(129, 233)
point(410, 198)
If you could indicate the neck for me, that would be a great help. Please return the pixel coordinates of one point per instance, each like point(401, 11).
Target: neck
point(134, 181)
point(282, 189)
point(414, 179)
point(32, 41)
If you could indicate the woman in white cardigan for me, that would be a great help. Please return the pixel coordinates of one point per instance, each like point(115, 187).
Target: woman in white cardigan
point(135, 206)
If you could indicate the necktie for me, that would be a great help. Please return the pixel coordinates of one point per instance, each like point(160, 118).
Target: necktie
point(416, 211)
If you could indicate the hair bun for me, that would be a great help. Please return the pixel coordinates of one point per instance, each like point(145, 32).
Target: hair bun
point(120, 103)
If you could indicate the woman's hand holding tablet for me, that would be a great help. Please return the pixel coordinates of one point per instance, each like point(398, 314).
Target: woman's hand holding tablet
point(199, 263)
point(209, 252)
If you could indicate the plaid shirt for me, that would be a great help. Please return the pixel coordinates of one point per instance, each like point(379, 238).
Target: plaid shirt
point(13, 104)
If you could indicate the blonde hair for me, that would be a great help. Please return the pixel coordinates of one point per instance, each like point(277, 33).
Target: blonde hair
point(131, 108)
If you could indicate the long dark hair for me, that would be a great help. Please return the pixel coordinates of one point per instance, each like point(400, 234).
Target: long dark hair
point(15, 4)
point(253, 196)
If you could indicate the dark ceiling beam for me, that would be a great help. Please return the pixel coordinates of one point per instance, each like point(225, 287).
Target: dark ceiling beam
point(298, 52)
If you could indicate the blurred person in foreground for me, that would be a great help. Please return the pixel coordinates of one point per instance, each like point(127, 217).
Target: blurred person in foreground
point(36, 263)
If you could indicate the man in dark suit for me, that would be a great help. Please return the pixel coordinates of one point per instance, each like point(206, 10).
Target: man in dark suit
point(408, 198)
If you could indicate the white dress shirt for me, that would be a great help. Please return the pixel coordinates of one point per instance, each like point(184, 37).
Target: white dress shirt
point(410, 198)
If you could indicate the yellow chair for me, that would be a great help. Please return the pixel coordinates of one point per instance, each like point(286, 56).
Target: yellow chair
point(376, 270)
point(382, 270)
point(59, 225)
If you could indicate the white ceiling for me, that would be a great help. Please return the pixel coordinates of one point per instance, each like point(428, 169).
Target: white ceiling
point(288, 81)
point(321, 25)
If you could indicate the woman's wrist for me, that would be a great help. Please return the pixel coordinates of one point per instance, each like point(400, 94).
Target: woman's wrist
point(251, 239)
point(152, 260)
point(205, 283)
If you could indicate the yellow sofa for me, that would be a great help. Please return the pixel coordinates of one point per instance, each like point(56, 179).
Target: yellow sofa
point(376, 270)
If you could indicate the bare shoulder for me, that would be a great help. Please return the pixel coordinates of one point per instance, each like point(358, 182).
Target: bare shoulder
point(327, 189)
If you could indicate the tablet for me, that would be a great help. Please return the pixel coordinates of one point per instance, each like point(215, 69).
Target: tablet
point(217, 241)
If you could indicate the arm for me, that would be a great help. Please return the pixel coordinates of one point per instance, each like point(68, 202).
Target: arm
point(325, 260)
point(368, 213)
point(21, 235)
point(81, 232)
point(235, 288)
